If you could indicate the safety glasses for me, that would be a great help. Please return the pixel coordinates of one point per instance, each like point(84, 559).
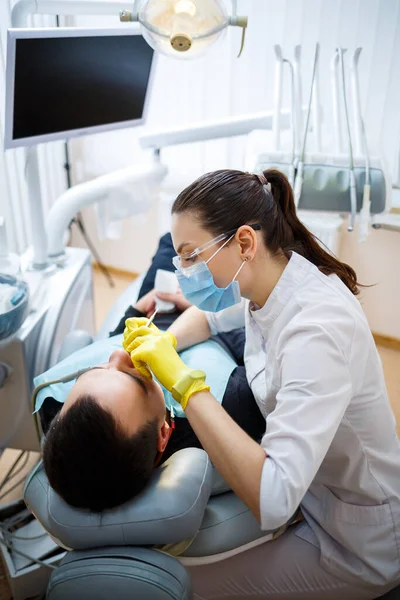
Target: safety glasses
point(184, 260)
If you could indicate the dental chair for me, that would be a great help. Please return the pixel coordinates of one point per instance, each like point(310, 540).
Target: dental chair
point(187, 511)
point(123, 552)
point(187, 516)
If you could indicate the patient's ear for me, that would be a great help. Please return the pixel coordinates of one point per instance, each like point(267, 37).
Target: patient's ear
point(163, 437)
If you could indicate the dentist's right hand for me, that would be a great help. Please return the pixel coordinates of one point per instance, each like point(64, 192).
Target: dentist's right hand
point(157, 354)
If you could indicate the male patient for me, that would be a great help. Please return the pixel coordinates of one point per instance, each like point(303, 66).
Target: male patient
point(112, 430)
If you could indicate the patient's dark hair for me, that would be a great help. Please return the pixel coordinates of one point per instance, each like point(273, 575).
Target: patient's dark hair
point(91, 462)
point(225, 200)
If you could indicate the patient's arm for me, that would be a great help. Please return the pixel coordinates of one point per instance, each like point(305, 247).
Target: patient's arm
point(145, 306)
point(190, 328)
point(178, 299)
point(147, 303)
point(195, 326)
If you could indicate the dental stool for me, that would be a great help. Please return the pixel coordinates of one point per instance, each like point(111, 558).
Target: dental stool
point(121, 553)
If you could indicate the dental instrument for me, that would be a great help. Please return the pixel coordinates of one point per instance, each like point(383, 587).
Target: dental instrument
point(357, 115)
point(279, 158)
point(324, 181)
point(277, 98)
point(298, 184)
point(353, 190)
point(361, 147)
point(293, 165)
point(298, 96)
point(153, 316)
point(172, 417)
point(316, 112)
point(337, 118)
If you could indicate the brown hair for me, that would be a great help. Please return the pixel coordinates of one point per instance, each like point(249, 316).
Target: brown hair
point(91, 462)
point(226, 199)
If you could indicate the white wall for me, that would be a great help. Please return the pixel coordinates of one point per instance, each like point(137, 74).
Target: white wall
point(377, 264)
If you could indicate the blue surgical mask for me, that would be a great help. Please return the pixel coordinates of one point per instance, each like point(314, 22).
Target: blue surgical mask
point(197, 285)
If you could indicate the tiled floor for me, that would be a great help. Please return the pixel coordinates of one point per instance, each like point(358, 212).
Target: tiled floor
point(104, 297)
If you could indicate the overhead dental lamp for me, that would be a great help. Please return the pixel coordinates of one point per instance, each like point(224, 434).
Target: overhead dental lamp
point(183, 28)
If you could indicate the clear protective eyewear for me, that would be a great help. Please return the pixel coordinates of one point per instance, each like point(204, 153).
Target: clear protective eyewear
point(190, 256)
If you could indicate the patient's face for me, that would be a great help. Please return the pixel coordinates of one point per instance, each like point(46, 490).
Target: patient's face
point(118, 388)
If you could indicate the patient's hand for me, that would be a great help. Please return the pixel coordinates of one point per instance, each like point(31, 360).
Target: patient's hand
point(178, 299)
point(147, 303)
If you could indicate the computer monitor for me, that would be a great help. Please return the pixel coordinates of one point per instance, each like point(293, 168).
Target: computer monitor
point(68, 82)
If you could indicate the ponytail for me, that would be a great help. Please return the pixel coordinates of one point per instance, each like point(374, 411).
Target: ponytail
point(300, 239)
point(224, 200)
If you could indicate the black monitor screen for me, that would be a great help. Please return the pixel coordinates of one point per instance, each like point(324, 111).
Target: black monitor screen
point(69, 83)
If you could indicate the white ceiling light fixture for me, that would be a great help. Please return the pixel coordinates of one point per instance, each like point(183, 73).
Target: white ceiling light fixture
point(184, 28)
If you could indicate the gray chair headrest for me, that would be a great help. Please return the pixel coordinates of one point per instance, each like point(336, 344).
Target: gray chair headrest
point(125, 573)
point(169, 510)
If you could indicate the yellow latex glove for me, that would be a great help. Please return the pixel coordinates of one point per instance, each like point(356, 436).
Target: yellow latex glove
point(136, 328)
point(132, 327)
point(156, 353)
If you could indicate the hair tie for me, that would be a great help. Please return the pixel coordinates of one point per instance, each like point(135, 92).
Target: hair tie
point(261, 178)
point(264, 181)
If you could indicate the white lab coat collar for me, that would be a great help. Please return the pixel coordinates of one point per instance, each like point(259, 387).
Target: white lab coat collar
point(296, 269)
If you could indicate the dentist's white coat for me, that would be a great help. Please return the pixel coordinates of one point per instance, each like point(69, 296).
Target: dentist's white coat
point(330, 438)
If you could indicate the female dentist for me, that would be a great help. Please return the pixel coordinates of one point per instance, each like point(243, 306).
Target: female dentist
point(330, 445)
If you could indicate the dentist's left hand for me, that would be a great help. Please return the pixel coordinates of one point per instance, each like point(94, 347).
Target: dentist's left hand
point(136, 328)
point(157, 354)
